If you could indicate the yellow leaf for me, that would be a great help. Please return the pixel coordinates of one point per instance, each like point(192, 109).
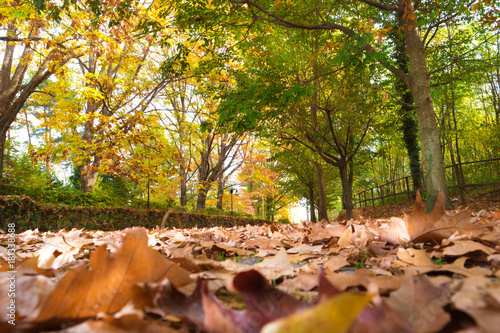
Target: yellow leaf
point(333, 316)
point(475, 6)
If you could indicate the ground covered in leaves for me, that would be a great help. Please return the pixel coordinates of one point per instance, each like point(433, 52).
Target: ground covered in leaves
point(436, 272)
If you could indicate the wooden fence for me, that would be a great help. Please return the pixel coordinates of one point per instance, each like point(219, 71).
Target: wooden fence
point(458, 180)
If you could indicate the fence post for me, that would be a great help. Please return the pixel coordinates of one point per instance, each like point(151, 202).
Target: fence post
point(382, 194)
point(366, 201)
point(373, 200)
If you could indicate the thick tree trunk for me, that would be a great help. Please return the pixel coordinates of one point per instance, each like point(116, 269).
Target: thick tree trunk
point(201, 201)
point(409, 123)
point(311, 203)
point(322, 210)
point(346, 190)
point(89, 174)
point(419, 84)
point(90, 170)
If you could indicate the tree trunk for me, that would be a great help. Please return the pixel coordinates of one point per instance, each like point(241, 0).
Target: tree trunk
point(419, 84)
point(252, 197)
point(201, 201)
point(183, 194)
point(409, 123)
point(220, 192)
point(3, 139)
point(346, 190)
point(311, 203)
point(269, 202)
point(90, 170)
point(203, 185)
point(322, 210)
point(89, 174)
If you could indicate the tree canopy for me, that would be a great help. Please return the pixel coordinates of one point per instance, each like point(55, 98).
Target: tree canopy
point(287, 101)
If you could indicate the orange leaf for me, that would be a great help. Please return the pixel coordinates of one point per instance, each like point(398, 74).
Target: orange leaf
point(107, 286)
point(437, 225)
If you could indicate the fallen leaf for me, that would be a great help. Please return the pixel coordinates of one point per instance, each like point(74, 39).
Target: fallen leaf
point(419, 302)
point(437, 225)
point(106, 286)
point(335, 263)
point(462, 247)
point(335, 315)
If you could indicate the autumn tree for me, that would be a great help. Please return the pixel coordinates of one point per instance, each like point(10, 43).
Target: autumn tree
point(178, 112)
point(35, 48)
point(360, 22)
point(109, 90)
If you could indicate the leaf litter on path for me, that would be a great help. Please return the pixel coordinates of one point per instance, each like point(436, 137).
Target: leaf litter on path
point(434, 272)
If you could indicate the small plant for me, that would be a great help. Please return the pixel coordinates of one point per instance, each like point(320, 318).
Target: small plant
point(360, 265)
point(440, 261)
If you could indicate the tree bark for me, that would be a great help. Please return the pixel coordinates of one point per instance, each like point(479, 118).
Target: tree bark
point(311, 204)
point(89, 178)
point(409, 124)
point(90, 169)
point(220, 191)
point(201, 200)
point(419, 84)
point(269, 206)
point(346, 190)
point(183, 187)
point(322, 210)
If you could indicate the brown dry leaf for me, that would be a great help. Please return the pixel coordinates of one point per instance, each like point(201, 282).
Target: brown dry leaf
point(304, 248)
point(107, 286)
point(462, 247)
point(415, 257)
point(275, 267)
point(419, 302)
point(126, 324)
point(346, 239)
point(303, 282)
point(471, 293)
point(61, 249)
point(33, 293)
point(263, 243)
point(488, 319)
point(320, 232)
point(363, 277)
point(458, 267)
point(437, 225)
point(335, 263)
point(380, 318)
point(30, 266)
point(394, 231)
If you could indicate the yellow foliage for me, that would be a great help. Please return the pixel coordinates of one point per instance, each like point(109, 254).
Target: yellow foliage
point(333, 316)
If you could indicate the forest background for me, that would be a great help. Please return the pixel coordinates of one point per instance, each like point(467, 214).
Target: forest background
point(245, 106)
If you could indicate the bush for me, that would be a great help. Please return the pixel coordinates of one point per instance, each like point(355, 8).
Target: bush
point(28, 214)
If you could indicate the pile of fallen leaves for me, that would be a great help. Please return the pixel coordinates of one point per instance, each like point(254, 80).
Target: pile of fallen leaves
point(436, 272)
